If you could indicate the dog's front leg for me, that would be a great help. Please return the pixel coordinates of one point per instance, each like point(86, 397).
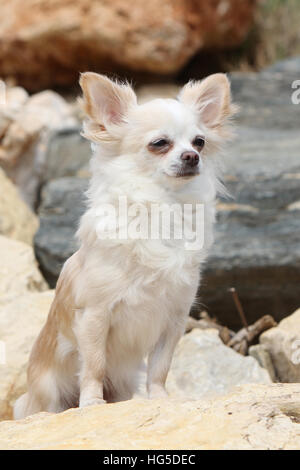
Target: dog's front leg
point(159, 362)
point(92, 334)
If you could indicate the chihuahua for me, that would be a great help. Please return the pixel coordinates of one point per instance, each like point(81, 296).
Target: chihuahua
point(122, 299)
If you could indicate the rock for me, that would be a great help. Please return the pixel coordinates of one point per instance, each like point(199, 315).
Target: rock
point(20, 322)
point(290, 65)
point(68, 154)
point(17, 221)
point(152, 37)
point(252, 417)
point(266, 99)
point(19, 273)
point(11, 101)
point(61, 207)
point(202, 365)
point(257, 245)
point(29, 123)
point(262, 355)
point(283, 344)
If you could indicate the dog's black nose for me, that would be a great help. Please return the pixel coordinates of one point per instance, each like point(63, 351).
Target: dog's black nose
point(190, 158)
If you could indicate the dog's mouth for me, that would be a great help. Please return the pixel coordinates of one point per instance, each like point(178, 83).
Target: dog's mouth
point(182, 172)
point(187, 172)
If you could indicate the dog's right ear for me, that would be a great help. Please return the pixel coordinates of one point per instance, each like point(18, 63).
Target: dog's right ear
point(106, 102)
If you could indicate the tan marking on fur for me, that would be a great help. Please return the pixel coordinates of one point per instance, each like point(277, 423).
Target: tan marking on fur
point(59, 319)
point(160, 150)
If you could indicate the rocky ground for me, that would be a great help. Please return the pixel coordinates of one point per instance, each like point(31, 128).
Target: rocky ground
point(256, 250)
point(252, 417)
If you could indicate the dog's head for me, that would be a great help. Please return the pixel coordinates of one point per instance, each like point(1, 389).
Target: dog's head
point(173, 138)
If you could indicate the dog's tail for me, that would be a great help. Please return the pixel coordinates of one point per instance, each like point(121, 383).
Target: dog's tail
point(25, 406)
point(20, 407)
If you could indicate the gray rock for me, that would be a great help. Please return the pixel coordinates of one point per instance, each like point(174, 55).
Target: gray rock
point(68, 154)
point(265, 100)
point(61, 207)
point(290, 65)
point(257, 244)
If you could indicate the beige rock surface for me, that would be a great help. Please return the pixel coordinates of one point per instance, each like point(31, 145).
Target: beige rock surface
point(19, 273)
point(251, 417)
point(20, 323)
point(17, 221)
point(203, 366)
point(283, 344)
point(60, 38)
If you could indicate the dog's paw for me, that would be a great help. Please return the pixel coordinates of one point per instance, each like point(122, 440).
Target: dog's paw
point(91, 402)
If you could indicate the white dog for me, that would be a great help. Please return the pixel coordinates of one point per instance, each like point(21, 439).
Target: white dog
point(120, 300)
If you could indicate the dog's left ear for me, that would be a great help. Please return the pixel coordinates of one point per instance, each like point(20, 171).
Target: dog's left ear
point(106, 102)
point(210, 98)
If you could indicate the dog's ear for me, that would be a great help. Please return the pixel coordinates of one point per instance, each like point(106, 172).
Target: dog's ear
point(210, 98)
point(106, 102)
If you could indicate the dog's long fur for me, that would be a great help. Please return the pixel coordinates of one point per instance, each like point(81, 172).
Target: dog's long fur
point(120, 301)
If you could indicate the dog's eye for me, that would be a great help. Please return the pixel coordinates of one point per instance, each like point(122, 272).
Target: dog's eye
point(159, 143)
point(160, 146)
point(199, 142)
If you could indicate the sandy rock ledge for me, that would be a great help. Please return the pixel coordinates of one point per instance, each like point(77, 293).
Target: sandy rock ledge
point(252, 417)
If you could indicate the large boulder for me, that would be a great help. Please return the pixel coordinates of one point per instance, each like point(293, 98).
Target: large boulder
point(257, 242)
point(157, 37)
point(19, 273)
point(20, 322)
point(17, 221)
point(203, 366)
point(283, 345)
point(251, 417)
